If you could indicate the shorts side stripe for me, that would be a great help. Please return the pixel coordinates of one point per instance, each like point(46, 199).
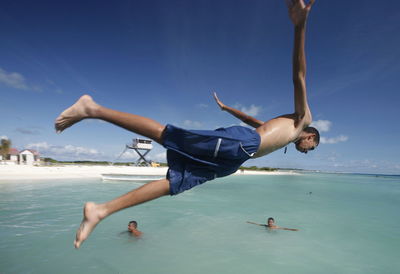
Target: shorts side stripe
point(217, 147)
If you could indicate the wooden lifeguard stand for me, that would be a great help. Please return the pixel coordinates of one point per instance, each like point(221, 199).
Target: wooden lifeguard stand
point(142, 148)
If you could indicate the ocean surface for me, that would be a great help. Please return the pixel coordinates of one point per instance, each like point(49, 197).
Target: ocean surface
point(347, 224)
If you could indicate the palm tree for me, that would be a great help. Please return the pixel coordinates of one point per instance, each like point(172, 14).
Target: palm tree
point(5, 147)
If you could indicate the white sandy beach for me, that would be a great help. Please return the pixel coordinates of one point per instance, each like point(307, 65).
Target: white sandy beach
point(21, 172)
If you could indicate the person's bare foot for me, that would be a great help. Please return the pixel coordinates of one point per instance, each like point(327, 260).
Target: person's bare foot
point(92, 215)
point(83, 108)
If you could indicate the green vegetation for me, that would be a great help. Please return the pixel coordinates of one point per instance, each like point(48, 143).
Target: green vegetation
point(5, 147)
point(53, 161)
point(105, 163)
point(49, 160)
point(258, 168)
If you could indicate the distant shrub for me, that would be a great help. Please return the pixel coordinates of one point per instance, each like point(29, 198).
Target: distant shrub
point(258, 168)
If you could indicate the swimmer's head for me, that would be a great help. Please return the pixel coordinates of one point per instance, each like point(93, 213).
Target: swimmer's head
point(270, 221)
point(132, 225)
point(308, 140)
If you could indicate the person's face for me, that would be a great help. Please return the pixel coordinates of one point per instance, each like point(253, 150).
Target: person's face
point(271, 222)
point(131, 227)
point(306, 143)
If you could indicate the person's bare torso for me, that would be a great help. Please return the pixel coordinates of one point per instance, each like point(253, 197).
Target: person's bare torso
point(278, 132)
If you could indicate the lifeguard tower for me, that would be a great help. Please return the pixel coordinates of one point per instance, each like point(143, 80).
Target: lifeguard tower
point(142, 148)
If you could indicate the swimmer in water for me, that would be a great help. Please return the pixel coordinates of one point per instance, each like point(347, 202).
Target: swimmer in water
point(271, 225)
point(132, 228)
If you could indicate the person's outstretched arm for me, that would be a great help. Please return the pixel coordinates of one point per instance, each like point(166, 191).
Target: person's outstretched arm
point(253, 223)
point(285, 228)
point(251, 121)
point(298, 12)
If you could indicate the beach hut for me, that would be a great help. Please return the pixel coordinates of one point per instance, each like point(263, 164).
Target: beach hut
point(13, 155)
point(11, 158)
point(29, 157)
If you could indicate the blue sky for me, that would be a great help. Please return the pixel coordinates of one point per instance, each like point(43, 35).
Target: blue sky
point(163, 59)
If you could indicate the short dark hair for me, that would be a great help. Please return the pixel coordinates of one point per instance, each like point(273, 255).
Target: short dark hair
point(133, 222)
point(270, 218)
point(314, 131)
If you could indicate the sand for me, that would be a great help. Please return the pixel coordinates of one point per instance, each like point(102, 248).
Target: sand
point(21, 172)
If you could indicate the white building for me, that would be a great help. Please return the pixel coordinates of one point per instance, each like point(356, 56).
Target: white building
point(28, 157)
point(11, 158)
point(13, 155)
point(24, 157)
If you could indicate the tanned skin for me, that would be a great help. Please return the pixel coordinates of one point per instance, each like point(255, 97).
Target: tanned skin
point(132, 228)
point(275, 133)
point(282, 130)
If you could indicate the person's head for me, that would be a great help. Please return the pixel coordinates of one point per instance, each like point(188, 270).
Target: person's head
point(270, 221)
point(132, 225)
point(308, 140)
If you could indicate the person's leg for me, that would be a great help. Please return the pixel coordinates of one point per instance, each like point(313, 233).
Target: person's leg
point(94, 213)
point(85, 107)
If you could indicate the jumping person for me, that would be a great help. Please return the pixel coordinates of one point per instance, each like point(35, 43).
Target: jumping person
point(195, 157)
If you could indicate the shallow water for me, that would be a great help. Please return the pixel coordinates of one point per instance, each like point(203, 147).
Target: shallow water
point(348, 224)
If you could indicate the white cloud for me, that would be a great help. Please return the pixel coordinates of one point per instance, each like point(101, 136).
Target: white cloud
point(253, 110)
point(367, 164)
point(18, 81)
point(202, 105)
point(340, 138)
point(46, 149)
point(76, 150)
point(192, 124)
point(322, 125)
point(3, 137)
point(325, 126)
point(13, 79)
point(132, 156)
point(160, 157)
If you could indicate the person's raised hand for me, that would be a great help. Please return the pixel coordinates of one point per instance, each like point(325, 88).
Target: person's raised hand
point(219, 103)
point(298, 10)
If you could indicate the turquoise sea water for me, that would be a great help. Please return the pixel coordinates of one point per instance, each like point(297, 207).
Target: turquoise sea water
point(349, 224)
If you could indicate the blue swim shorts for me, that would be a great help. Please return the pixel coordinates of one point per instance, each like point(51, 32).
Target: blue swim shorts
point(197, 156)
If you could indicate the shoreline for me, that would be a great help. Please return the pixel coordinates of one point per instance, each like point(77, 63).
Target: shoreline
point(24, 172)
